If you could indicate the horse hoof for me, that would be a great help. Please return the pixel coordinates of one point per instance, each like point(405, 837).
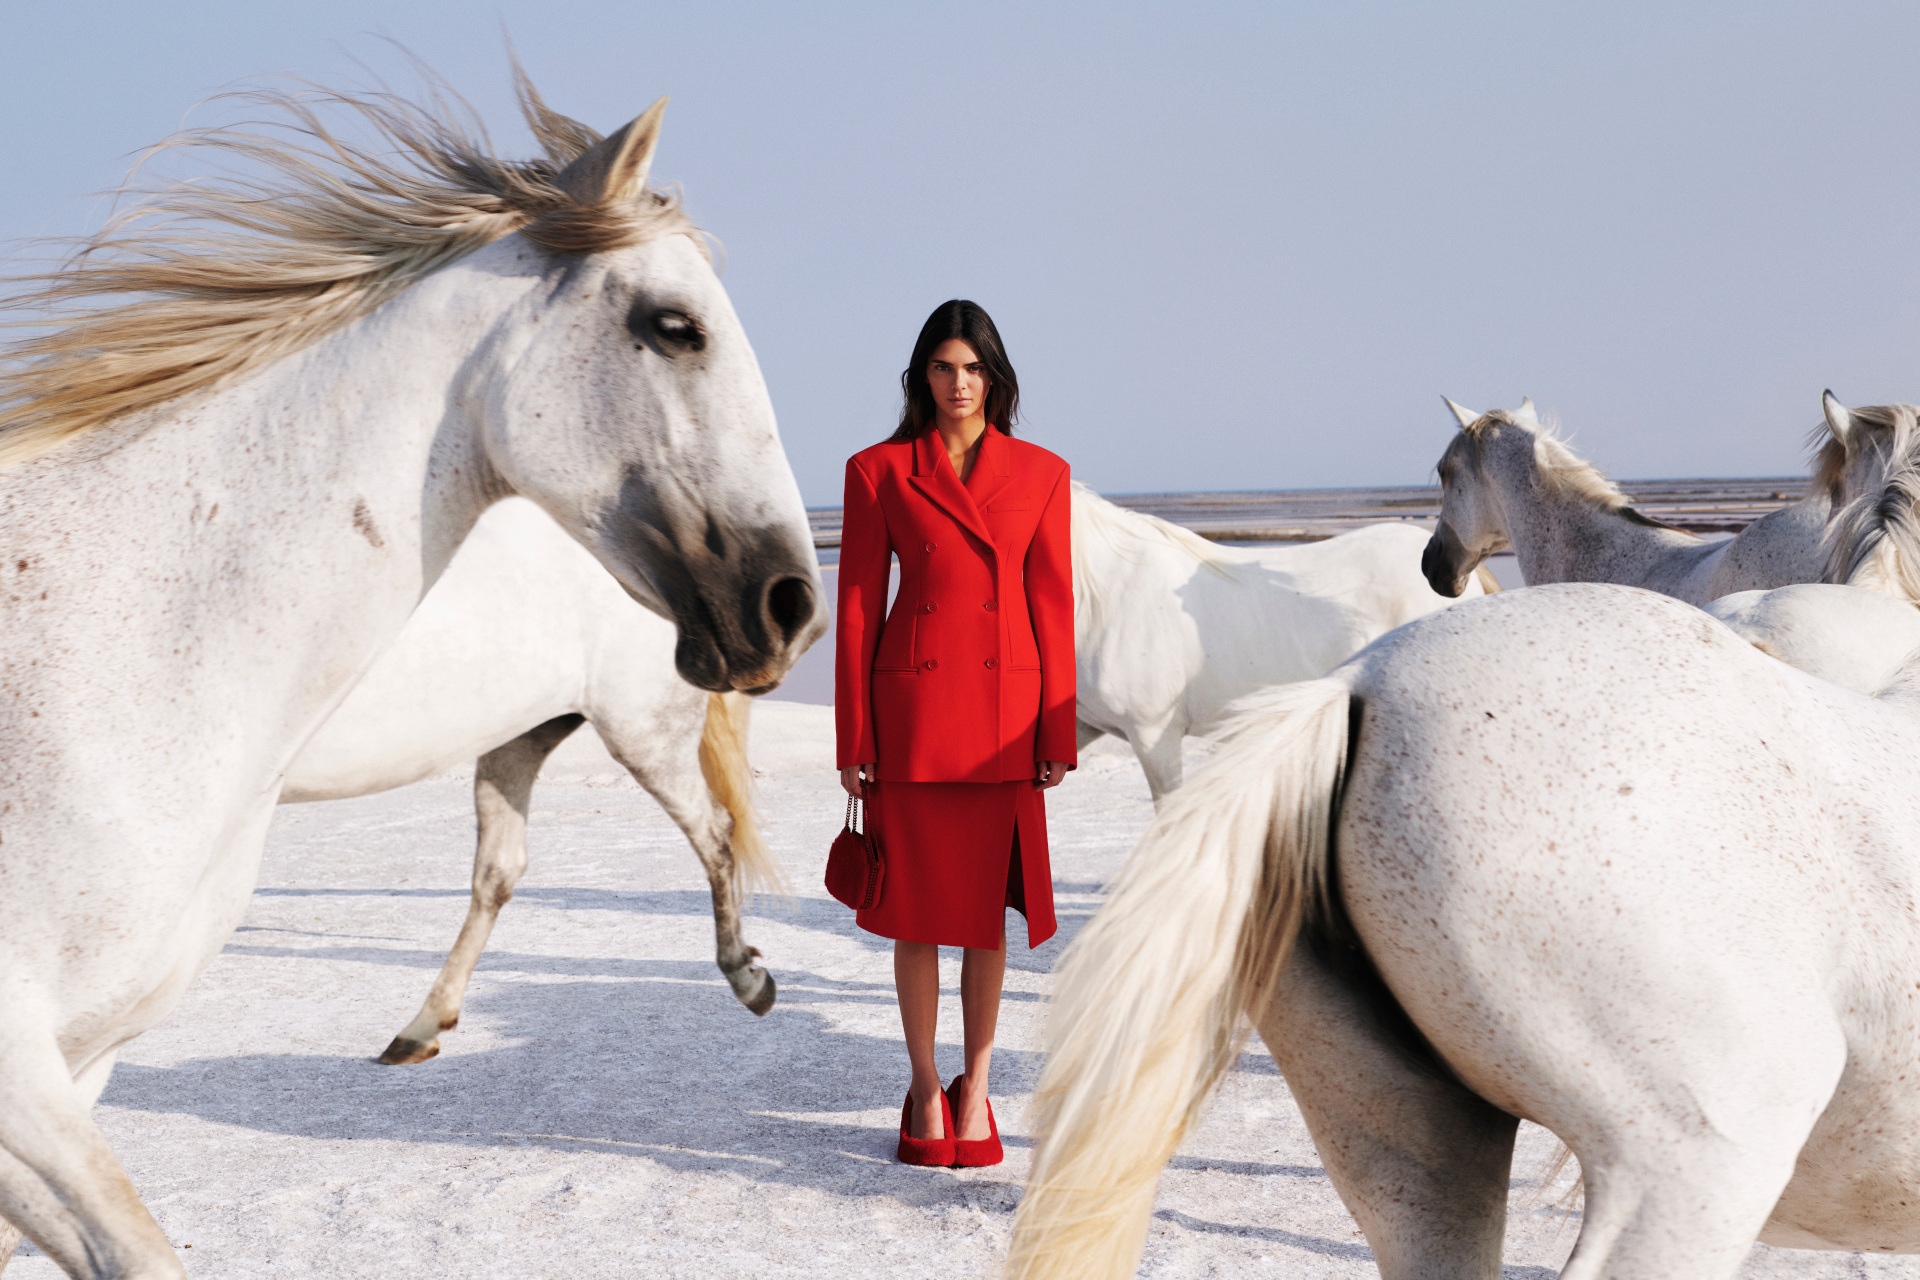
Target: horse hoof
point(403, 1051)
point(761, 1000)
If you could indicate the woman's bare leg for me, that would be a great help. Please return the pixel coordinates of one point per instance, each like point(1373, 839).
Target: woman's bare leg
point(916, 979)
point(982, 974)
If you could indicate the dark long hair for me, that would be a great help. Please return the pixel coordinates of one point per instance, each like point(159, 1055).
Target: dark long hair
point(969, 322)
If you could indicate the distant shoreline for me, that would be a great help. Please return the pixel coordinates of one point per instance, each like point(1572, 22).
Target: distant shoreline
point(1704, 505)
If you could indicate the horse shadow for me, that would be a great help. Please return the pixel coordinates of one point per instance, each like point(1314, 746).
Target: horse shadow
point(648, 1059)
point(602, 1052)
point(645, 1058)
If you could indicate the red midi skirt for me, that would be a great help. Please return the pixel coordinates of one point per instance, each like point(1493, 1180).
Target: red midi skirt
point(958, 854)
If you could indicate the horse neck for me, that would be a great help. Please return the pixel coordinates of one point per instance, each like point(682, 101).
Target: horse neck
point(385, 409)
point(1103, 571)
point(1560, 536)
point(1093, 568)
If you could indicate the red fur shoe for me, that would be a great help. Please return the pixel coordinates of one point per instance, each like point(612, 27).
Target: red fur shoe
point(976, 1152)
point(928, 1151)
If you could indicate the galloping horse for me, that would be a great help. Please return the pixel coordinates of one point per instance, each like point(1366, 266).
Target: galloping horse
point(1575, 854)
point(1509, 481)
point(266, 417)
point(524, 638)
point(1170, 629)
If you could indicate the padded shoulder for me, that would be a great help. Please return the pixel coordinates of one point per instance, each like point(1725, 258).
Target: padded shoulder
point(1032, 455)
point(887, 456)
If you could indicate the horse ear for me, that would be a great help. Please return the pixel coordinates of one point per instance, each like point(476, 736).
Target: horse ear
point(614, 169)
point(1526, 410)
point(1839, 421)
point(1464, 416)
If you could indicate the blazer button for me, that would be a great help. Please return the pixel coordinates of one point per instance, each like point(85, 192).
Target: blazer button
point(932, 663)
point(991, 664)
point(929, 548)
point(990, 606)
point(928, 607)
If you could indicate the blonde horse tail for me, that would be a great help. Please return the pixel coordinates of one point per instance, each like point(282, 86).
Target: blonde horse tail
point(1489, 584)
point(723, 763)
point(1148, 1001)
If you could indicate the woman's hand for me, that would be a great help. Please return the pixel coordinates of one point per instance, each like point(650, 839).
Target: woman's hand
point(1049, 773)
point(854, 778)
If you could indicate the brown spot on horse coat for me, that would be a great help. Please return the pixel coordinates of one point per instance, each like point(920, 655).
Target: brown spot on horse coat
point(363, 522)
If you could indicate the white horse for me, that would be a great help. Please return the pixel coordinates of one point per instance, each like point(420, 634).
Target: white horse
point(1170, 628)
point(1858, 635)
point(1576, 855)
point(1850, 636)
point(267, 418)
point(1876, 539)
point(1508, 481)
point(522, 639)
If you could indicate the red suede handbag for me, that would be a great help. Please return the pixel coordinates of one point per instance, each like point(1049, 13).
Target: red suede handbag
point(855, 869)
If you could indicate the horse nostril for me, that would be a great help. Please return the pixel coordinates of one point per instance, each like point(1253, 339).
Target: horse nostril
point(790, 605)
point(1434, 566)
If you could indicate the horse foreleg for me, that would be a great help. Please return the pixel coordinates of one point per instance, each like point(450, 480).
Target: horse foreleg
point(1158, 751)
point(59, 1181)
point(691, 758)
point(1421, 1163)
point(502, 788)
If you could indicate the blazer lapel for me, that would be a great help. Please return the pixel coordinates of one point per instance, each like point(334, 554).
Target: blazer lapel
point(992, 470)
point(933, 476)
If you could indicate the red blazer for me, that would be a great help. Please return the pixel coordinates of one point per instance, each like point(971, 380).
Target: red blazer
point(970, 678)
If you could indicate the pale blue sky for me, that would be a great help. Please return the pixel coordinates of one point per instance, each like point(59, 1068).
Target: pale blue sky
point(1228, 246)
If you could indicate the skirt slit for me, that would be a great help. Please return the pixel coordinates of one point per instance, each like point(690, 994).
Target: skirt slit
point(958, 854)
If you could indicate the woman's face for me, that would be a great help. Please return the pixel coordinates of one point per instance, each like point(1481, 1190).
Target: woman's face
point(958, 379)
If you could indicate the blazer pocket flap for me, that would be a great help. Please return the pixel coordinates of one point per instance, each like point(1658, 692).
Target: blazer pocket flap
point(896, 671)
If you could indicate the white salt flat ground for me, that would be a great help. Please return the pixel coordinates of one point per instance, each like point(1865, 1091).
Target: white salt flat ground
point(607, 1110)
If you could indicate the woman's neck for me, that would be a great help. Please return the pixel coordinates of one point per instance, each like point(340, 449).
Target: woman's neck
point(962, 441)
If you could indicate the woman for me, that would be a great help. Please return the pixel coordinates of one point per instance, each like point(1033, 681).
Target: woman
point(955, 713)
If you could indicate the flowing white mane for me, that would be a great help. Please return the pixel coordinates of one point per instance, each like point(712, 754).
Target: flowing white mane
point(200, 281)
point(1102, 526)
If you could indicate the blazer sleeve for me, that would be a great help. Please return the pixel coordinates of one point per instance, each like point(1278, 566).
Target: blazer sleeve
point(1049, 575)
point(866, 555)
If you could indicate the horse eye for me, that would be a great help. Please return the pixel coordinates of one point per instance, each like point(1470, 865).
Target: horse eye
point(673, 330)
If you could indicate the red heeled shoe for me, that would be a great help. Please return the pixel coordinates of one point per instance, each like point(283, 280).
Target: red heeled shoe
point(937, 1152)
point(974, 1153)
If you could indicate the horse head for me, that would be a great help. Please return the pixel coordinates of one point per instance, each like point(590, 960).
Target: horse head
point(623, 397)
point(1870, 467)
point(1471, 527)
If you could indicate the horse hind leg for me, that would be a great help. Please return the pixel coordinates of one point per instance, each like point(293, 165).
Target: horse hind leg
point(1665, 1196)
point(502, 789)
point(1421, 1163)
point(60, 1184)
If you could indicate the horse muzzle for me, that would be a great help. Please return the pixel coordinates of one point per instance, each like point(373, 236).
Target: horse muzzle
point(743, 630)
point(1438, 563)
